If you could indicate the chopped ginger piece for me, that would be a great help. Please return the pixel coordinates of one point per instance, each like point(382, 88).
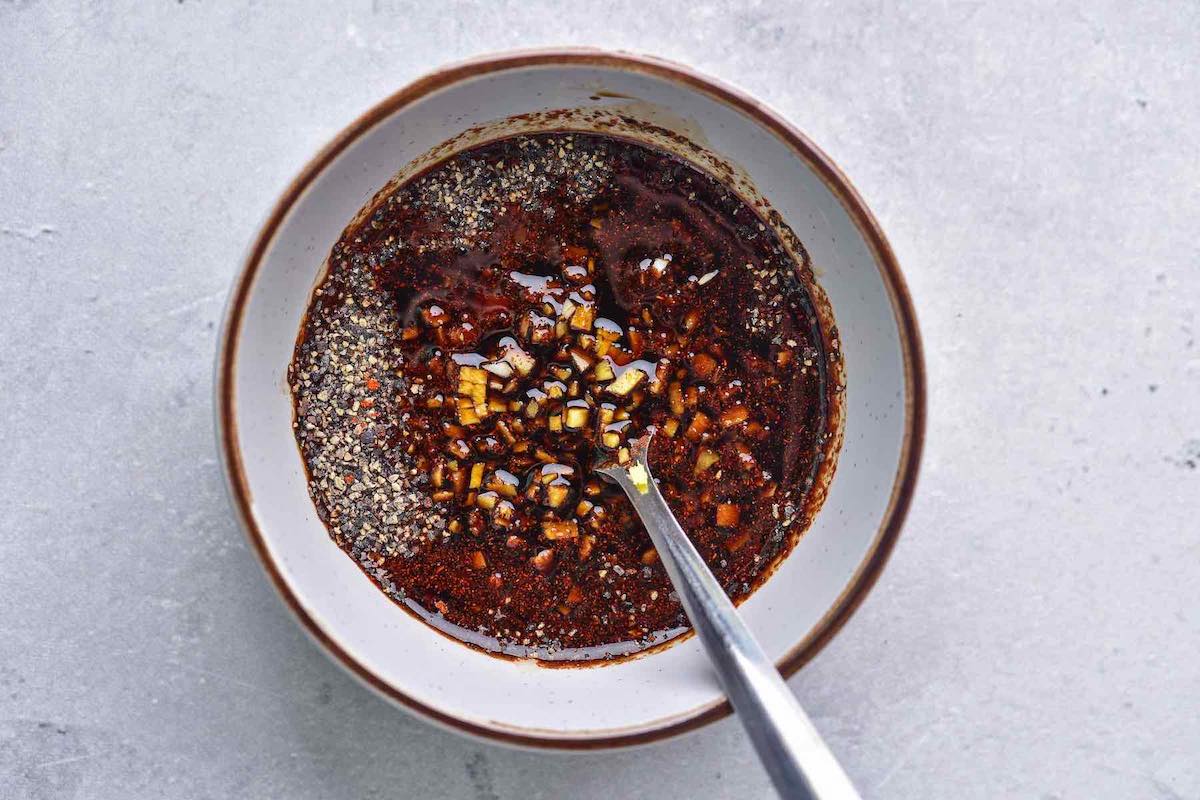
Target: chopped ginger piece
point(704, 460)
point(697, 427)
point(728, 515)
point(575, 417)
point(560, 529)
point(626, 382)
point(640, 478)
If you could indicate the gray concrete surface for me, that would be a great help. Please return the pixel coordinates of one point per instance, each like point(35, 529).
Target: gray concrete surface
point(1037, 634)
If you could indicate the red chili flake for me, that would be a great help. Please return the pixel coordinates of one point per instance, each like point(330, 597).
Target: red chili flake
point(372, 384)
point(349, 479)
point(366, 403)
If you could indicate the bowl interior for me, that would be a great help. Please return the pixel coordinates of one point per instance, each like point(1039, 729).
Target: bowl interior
point(401, 655)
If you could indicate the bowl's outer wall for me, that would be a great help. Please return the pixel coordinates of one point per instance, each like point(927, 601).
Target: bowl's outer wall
point(642, 698)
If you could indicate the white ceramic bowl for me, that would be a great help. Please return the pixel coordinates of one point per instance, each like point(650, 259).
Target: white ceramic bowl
point(793, 614)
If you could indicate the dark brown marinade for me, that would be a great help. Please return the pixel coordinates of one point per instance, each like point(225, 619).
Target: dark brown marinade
point(476, 338)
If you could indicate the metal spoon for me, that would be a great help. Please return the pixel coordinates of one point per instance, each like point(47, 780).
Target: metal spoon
point(791, 749)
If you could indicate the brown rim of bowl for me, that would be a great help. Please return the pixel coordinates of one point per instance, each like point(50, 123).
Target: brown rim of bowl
point(910, 340)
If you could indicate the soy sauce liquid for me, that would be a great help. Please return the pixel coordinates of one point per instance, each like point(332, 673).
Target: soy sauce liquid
point(466, 253)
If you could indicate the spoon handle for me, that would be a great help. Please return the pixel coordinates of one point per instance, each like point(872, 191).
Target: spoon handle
point(791, 749)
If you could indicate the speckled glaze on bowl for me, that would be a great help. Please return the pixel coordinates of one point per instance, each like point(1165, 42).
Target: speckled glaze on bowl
point(816, 588)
